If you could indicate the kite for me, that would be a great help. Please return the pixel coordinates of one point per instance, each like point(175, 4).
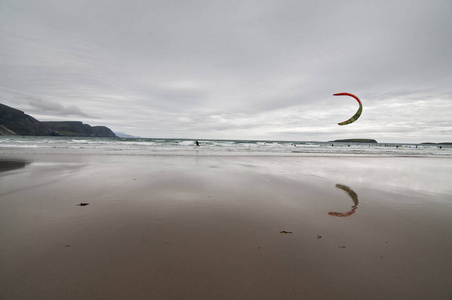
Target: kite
point(358, 113)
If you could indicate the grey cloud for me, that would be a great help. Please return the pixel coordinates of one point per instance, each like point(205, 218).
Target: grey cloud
point(50, 107)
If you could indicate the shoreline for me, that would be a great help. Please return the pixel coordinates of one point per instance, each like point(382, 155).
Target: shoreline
point(225, 227)
point(184, 147)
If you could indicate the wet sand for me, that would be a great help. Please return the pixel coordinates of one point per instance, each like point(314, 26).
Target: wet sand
point(200, 227)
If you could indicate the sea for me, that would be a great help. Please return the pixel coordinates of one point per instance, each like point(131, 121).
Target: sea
point(210, 147)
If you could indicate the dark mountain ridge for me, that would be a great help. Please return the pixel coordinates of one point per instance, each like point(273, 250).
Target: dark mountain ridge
point(16, 122)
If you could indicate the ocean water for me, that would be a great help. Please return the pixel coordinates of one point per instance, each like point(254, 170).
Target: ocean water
point(160, 146)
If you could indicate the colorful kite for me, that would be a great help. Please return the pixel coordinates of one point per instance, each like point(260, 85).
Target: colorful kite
point(358, 113)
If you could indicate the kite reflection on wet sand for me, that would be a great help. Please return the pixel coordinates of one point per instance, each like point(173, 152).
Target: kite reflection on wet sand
point(352, 195)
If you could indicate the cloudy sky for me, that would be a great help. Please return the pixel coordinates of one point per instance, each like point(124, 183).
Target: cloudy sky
point(236, 69)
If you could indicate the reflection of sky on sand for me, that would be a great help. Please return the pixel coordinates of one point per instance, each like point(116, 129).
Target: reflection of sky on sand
point(431, 176)
point(215, 223)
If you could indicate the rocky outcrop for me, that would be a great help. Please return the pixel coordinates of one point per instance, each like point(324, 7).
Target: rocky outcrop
point(16, 122)
point(355, 141)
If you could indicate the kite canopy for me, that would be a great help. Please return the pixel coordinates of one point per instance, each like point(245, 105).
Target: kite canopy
point(358, 113)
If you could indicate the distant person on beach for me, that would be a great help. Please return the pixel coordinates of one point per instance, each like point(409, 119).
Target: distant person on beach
point(197, 143)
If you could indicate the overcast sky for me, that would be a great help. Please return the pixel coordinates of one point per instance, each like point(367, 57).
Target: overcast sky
point(236, 69)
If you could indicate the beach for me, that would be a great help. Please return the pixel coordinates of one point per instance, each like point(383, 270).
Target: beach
point(86, 226)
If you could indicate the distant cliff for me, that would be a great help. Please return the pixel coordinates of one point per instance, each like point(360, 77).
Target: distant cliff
point(16, 122)
point(77, 128)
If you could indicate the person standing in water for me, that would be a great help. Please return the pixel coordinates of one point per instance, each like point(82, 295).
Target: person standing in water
point(197, 143)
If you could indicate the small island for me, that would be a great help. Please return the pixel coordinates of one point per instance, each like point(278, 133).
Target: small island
point(355, 141)
point(442, 143)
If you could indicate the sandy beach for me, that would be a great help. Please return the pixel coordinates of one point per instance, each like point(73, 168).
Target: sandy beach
point(219, 227)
